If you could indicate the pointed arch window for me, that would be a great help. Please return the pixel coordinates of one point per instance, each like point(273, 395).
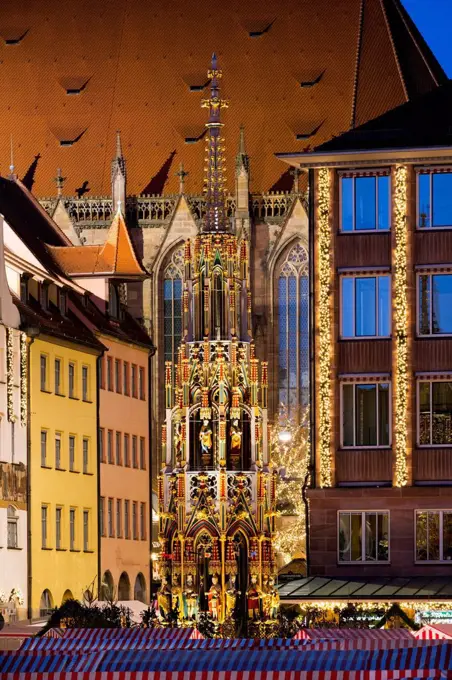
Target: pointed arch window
point(172, 304)
point(293, 329)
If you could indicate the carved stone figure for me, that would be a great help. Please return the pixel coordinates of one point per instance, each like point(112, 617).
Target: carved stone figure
point(274, 607)
point(236, 442)
point(231, 596)
point(164, 597)
point(190, 599)
point(177, 442)
point(266, 598)
point(253, 595)
point(214, 598)
point(176, 592)
point(205, 438)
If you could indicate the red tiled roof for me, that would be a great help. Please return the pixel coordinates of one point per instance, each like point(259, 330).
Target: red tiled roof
point(116, 257)
point(137, 65)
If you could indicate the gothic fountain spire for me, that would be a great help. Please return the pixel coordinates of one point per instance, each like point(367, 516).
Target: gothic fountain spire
point(214, 181)
point(217, 487)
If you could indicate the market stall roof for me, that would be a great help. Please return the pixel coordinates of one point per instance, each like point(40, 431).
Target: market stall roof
point(411, 588)
point(434, 631)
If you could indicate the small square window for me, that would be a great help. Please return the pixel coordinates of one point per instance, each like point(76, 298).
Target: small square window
point(434, 535)
point(435, 413)
point(365, 414)
point(365, 306)
point(434, 203)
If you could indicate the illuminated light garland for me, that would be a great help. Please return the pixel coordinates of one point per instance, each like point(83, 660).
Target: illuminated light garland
point(401, 326)
point(10, 374)
point(324, 324)
point(23, 379)
point(292, 456)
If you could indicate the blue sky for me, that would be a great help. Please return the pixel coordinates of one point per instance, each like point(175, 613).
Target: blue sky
point(434, 20)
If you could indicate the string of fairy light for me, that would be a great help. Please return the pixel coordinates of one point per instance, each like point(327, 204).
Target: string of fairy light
point(401, 326)
point(324, 325)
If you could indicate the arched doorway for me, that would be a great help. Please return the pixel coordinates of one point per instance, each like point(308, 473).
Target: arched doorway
point(124, 587)
point(139, 591)
point(46, 605)
point(107, 589)
point(67, 596)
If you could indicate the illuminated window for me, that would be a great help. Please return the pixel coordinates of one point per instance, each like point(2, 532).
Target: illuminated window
point(435, 413)
point(293, 325)
point(434, 304)
point(363, 537)
point(434, 535)
point(365, 306)
point(365, 414)
point(365, 203)
point(172, 305)
point(434, 205)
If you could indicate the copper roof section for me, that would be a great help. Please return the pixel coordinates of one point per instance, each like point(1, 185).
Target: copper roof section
point(139, 59)
point(115, 258)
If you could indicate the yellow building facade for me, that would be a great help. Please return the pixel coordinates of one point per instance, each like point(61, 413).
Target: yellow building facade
point(64, 471)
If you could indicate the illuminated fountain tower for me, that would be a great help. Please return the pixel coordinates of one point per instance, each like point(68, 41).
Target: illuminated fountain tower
point(217, 488)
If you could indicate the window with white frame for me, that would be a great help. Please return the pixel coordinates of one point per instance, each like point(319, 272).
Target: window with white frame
point(363, 536)
point(293, 329)
point(365, 414)
point(435, 412)
point(12, 519)
point(365, 202)
point(365, 306)
point(434, 293)
point(434, 204)
point(433, 535)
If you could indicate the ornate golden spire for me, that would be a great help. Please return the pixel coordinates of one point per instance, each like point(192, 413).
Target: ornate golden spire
point(215, 219)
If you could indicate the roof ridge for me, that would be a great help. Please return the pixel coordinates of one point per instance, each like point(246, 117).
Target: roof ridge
point(358, 59)
point(396, 56)
point(403, 16)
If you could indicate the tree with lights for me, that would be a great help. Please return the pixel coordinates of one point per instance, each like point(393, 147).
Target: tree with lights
point(290, 450)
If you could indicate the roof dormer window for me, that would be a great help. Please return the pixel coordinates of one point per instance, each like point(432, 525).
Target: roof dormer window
point(113, 302)
point(62, 301)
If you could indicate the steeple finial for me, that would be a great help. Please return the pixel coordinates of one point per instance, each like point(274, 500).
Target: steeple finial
point(242, 160)
point(118, 144)
point(118, 174)
point(59, 181)
point(215, 219)
point(182, 174)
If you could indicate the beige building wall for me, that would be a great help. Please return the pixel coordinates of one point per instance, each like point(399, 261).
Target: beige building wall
point(125, 470)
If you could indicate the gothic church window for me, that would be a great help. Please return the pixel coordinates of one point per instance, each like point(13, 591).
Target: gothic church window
point(172, 304)
point(293, 329)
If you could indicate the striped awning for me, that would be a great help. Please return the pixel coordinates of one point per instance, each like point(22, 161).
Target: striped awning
point(354, 634)
point(426, 661)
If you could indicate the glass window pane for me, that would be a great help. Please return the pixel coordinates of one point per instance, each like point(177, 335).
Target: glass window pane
point(282, 326)
point(304, 339)
point(347, 407)
point(433, 536)
point(366, 421)
point(383, 203)
point(383, 414)
point(447, 536)
point(292, 341)
point(424, 200)
point(424, 413)
point(421, 536)
point(383, 537)
point(442, 199)
point(384, 306)
point(442, 413)
point(344, 537)
point(365, 308)
point(356, 537)
point(347, 203)
point(365, 203)
point(424, 303)
point(348, 330)
point(442, 303)
point(371, 536)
